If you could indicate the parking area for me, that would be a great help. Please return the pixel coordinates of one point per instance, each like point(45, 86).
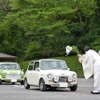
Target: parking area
point(17, 92)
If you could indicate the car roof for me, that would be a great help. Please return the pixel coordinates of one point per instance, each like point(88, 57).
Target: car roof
point(46, 60)
point(8, 63)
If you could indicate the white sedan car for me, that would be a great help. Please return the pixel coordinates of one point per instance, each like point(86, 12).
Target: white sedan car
point(50, 74)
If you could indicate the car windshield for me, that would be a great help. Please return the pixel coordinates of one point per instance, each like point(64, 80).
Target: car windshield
point(48, 65)
point(9, 67)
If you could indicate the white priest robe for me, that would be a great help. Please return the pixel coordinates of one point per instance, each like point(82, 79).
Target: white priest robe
point(91, 65)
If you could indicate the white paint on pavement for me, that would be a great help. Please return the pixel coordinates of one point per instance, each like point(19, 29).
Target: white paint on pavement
point(19, 86)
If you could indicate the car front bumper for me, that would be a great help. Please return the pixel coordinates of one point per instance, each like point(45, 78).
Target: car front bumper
point(12, 78)
point(62, 84)
point(12, 81)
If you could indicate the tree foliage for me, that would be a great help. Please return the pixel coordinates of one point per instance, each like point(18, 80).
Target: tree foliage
point(32, 29)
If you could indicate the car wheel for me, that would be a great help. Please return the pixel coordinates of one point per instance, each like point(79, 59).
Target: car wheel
point(13, 83)
point(73, 88)
point(26, 85)
point(0, 81)
point(42, 85)
point(22, 82)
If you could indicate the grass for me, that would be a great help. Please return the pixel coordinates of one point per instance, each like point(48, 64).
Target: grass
point(72, 62)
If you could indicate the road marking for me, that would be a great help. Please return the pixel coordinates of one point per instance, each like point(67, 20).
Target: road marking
point(19, 86)
point(84, 86)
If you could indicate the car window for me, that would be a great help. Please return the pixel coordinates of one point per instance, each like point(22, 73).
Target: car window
point(9, 67)
point(47, 65)
point(31, 66)
point(36, 65)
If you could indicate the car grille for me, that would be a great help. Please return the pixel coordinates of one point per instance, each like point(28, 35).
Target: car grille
point(63, 79)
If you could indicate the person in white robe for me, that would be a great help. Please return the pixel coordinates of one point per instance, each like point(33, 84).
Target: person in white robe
point(99, 52)
point(91, 66)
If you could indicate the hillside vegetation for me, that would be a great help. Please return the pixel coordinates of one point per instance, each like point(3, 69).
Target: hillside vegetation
point(33, 29)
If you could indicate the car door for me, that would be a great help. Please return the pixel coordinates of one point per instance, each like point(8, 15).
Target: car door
point(35, 74)
point(29, 72)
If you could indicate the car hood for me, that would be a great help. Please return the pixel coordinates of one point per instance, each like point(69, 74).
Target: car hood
point(12, 71)
point(58, 72)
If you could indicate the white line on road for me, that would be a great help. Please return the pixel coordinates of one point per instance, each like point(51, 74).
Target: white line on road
point(18, 86)
point(84, 86)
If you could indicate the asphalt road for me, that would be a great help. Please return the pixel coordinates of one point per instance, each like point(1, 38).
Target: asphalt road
point(17, 92)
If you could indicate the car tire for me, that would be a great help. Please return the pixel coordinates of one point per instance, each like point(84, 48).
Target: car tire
point(22, 82)
point(73, 88)
point(26, 85)
point(13, 83)
point(42, 85)
point(0, 81)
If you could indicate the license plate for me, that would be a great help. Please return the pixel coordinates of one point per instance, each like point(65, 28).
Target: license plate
point(63, 85)
point(13, 80)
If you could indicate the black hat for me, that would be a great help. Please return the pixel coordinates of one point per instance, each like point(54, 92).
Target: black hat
point(86, 48)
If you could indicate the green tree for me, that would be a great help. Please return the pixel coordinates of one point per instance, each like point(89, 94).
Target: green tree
point(42, 28)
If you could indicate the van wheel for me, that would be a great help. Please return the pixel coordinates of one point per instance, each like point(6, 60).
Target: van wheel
point(26, 85)
point(42, 85)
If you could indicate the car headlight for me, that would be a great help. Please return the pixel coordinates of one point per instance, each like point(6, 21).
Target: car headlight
point(50, 75)
point(74, 75)
point(56, 79)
